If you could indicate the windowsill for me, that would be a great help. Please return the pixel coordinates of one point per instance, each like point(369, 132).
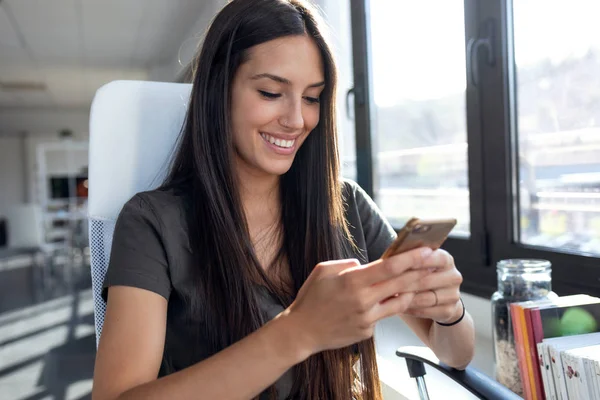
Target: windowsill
point(396, 383)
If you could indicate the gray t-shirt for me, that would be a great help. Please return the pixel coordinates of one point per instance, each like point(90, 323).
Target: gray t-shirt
point(151, 251)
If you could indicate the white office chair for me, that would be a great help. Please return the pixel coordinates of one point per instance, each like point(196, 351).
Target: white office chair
point(133, 129)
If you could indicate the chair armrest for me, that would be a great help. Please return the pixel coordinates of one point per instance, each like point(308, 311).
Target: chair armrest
point(471, 378)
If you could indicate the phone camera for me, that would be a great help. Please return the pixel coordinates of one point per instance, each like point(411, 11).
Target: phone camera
point(421, 228)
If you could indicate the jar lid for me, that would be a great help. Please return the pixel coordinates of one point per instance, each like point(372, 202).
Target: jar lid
point(521, 265)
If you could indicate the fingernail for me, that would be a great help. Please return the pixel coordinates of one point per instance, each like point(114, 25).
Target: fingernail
point(426, 252)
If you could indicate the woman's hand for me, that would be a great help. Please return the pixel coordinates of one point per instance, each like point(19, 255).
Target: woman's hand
point(438, 296)
point(341, 301)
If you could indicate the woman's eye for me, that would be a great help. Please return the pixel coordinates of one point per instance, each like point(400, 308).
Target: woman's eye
point(312, 100)
point(269, 95)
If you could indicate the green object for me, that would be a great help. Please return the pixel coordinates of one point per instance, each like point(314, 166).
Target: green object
point(552, 328)
point(577, 321)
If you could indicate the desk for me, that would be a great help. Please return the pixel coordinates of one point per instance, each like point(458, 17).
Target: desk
point(9, 254)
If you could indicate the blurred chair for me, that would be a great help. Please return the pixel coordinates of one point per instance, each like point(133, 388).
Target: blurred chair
point(133, 130)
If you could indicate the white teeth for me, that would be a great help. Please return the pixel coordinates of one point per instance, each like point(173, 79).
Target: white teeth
point(278, 142)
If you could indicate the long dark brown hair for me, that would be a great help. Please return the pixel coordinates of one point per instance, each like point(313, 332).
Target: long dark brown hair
point(312, 211)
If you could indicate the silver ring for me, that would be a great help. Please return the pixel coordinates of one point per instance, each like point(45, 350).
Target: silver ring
point(436, 298)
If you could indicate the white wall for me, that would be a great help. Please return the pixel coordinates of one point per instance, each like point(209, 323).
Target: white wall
point(43, 121)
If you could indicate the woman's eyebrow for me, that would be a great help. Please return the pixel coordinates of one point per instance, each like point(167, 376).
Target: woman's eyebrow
point(280, 79)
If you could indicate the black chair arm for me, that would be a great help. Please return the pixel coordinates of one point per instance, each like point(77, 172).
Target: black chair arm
point(471, 378)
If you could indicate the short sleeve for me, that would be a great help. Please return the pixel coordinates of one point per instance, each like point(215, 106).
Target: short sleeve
point(377, 231)
point(138, 258)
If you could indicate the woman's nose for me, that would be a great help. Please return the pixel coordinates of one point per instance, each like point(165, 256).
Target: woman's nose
point(293, 118)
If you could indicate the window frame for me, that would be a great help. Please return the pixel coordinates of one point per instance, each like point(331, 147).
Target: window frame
point(491, 108)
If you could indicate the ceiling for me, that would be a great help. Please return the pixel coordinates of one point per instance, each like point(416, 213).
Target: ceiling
point(57, 53)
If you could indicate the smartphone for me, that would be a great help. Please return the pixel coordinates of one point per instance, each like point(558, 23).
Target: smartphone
point(420, 233)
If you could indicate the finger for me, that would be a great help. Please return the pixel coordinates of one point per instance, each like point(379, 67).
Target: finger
point(440, 279)
point(395, 305)
point(406, 282)
point(439, 260)
point(329, 268)
point(382, 270)
point(430, 298)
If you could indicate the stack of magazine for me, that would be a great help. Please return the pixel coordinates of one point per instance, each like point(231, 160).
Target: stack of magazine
point(558, 347)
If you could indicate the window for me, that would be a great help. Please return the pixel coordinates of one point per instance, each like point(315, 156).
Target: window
point(419, 83)
point(488, 112)
point(337, 14)
point(558, 87)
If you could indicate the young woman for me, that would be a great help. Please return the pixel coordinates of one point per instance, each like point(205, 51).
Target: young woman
point(254, 271)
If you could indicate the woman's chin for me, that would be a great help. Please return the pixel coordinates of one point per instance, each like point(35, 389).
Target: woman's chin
point(277, 168)
point(278, 171)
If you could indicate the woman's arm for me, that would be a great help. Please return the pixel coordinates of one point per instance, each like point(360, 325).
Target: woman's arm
point(131, 349)
point(338, 305)
point(453, 345)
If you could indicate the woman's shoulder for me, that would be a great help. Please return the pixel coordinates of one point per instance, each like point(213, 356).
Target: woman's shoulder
point(349, 184)
point(349, 188)
point(353, 194)
point(162, 197)
point(162, 206)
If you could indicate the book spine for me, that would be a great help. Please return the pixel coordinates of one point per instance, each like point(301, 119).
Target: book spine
point(545, 372)
point(575, 389)
point(597, 376)
point(592, 379)
point(587, 379)
point(528, 367)
point(533, 357)
point(520, 348)
point(569, 375)
point(581, 375)
point(554, 389)
point(578, 378)
point(559, 375)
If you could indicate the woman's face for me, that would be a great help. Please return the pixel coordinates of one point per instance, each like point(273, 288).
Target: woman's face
point(275, 103)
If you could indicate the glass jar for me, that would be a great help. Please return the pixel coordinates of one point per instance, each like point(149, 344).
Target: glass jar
point(518, 280)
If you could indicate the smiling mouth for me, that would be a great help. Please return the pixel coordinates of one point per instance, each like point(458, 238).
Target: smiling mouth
point(284, 144)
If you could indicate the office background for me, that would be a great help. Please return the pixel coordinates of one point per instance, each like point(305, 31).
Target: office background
point(484, 111)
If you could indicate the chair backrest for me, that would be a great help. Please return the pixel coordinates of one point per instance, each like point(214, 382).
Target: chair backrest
point(134, 127)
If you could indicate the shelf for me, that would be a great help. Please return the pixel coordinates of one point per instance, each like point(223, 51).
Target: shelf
point(66, 160)
point(65, 215)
